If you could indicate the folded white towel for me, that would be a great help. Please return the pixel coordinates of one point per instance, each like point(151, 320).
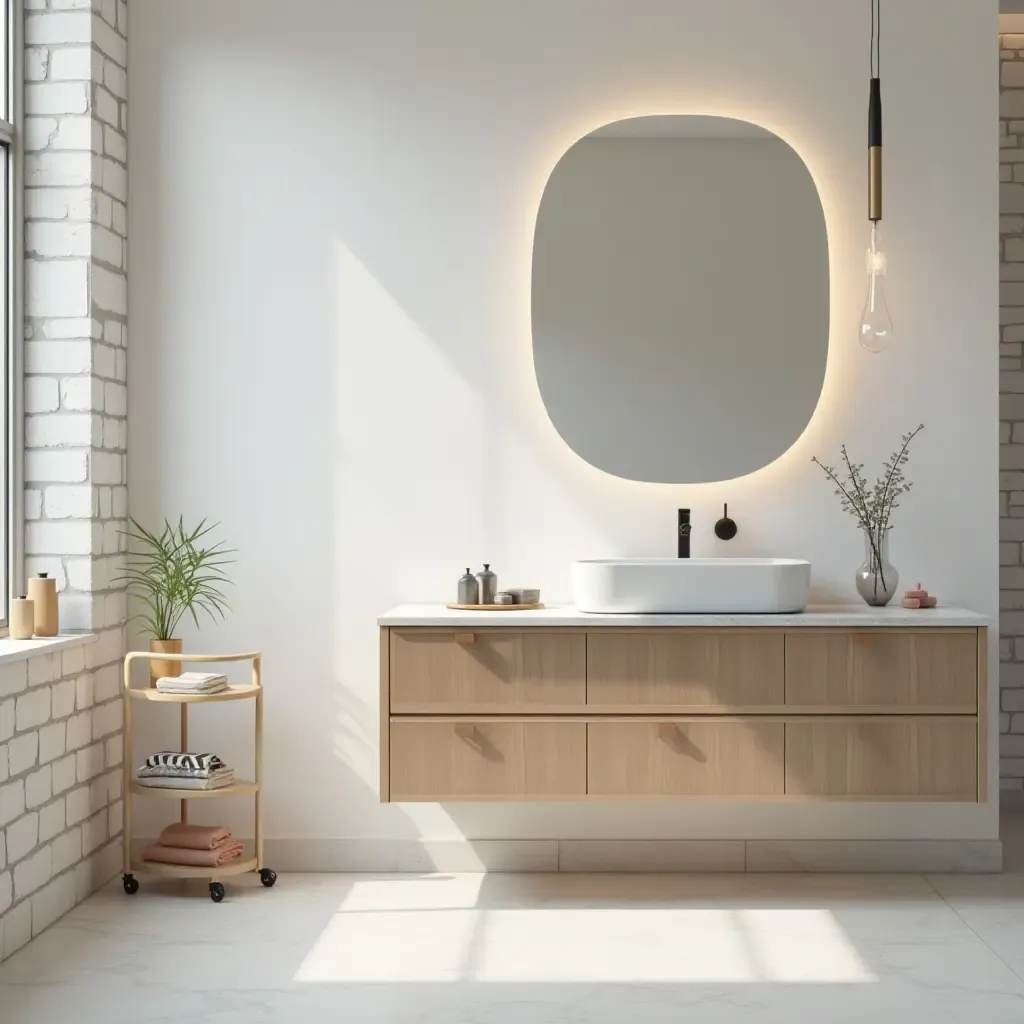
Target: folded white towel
point(169, 771)
point(193, 691)
point(192, 682)
point(197, 678)
point(218, 781)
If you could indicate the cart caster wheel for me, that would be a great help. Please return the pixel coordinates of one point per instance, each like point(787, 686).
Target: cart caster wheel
point(268, 877)
point(131, 884)
point(216, 892)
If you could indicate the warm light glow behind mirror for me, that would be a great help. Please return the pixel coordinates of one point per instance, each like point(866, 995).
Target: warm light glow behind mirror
point(680, 298)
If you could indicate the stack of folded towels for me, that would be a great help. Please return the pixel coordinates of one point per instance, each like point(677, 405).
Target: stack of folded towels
point(199, 846)
point(170, 769)
point(192, 683)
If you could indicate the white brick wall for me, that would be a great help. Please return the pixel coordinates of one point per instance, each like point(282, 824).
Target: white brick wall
point(60, 715)
point(1011, 401)
point(75, 397)
point(56, 810)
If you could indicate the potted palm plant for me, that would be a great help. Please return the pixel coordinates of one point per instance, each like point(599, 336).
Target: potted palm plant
point(174, 573)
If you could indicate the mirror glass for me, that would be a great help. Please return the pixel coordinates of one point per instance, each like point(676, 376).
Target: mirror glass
point(680, 298)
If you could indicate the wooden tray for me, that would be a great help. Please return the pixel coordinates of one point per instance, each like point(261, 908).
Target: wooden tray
point(494, 607)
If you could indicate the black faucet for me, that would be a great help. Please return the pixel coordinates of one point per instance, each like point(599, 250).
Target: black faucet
point(684, 533)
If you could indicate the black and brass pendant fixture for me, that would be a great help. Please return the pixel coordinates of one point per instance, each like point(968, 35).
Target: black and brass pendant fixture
point(876, 333)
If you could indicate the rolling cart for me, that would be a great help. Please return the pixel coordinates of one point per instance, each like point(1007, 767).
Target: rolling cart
point(252, 860)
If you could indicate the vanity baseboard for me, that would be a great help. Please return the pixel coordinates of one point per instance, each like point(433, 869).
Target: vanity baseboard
point(766, 714)
point(698, 856)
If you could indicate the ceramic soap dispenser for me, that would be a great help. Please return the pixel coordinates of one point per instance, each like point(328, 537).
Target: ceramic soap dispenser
point(42, 592)
point(469, 589)
point(488, 582)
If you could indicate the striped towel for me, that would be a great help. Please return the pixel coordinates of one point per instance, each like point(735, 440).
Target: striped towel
point(184, 761)
point(182, 770)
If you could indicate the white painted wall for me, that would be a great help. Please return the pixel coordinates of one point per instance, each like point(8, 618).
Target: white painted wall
point(680, 303)
point(331, 223)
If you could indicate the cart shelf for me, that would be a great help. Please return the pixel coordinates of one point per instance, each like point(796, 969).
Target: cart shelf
point(243, 692)
point(238, 867)
point(240, 787)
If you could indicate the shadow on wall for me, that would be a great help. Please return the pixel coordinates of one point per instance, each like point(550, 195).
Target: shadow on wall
point(372, 423)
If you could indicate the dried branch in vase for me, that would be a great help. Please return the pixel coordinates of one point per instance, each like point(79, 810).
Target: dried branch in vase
point(873, 508)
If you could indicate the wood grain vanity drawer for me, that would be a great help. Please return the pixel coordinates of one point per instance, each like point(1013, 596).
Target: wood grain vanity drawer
point(492, 671)
point(685, 758)
point(685, 669)
point(488, 760)
point(883, 758)
point(924, 672)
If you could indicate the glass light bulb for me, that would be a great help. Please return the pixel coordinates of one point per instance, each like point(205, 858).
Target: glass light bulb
point(876, 333)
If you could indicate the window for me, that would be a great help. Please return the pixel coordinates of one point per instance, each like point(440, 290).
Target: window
point(11, 292)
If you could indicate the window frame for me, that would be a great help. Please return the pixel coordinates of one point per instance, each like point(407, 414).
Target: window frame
point(13, 153)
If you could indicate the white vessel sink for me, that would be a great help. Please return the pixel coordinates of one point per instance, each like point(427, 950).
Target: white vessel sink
point(721, 586)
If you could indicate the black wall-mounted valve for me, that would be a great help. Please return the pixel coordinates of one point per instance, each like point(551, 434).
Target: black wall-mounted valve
point(726, 528)
point(684, 533)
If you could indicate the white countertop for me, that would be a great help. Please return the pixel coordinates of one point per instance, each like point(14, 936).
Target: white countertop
point(567, 615)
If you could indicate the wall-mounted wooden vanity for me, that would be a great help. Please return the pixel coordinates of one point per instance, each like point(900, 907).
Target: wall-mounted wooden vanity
point(846, 704)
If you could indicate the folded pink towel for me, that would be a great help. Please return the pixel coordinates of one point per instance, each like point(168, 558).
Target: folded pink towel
point(194, 837)
point(215, 858)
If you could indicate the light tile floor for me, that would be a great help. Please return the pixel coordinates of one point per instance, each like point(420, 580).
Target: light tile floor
point(492, 949)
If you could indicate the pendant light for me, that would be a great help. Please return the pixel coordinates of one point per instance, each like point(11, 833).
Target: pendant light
point(876, 332)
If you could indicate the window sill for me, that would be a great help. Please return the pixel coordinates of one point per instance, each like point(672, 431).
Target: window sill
point(22, 650)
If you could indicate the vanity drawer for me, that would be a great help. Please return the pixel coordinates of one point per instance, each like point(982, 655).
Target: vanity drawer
point(435, 671)
point(685, 757)
point(883, 758)
point(488, 760)
point(924, 672)
point(669, 668)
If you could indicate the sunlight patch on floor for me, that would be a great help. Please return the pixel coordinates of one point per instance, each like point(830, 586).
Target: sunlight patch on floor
point(665, 944)
point(429, 892)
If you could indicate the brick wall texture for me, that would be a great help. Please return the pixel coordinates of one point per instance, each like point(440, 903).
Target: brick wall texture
point(1011, 406)
point(60, 787)
point(60, 714)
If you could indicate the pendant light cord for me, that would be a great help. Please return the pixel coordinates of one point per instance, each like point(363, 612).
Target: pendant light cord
point(875, 117)
point(876, 37)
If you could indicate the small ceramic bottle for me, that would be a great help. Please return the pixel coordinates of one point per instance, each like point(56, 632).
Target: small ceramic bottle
point(469, 589)
point(22, 618)
point(42, 592)
point(488, 584)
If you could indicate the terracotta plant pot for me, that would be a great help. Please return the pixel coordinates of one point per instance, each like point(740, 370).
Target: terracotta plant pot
point(158, 667)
